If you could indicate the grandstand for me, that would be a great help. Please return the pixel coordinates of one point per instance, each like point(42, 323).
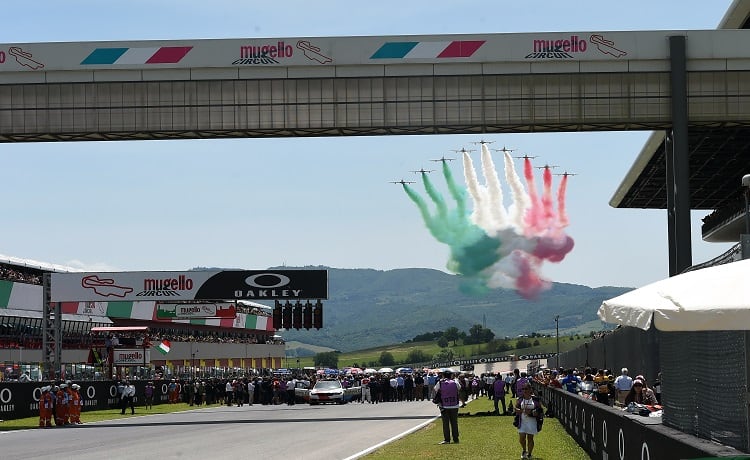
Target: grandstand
point(202, 346)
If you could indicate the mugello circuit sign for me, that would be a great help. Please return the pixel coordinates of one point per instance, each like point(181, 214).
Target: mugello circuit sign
point(192, 285)
point(195, 310)
point(131, 356)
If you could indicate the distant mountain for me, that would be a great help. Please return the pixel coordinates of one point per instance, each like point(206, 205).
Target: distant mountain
point(369, 308)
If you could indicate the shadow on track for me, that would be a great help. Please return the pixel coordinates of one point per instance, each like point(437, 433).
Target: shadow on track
point(250, 421)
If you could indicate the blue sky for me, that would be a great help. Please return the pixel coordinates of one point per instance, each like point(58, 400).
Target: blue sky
point(255, 203)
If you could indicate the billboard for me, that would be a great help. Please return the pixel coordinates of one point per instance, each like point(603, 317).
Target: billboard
point(195, 310)
point(131, 356)
point(253, 52)
point(190, 285)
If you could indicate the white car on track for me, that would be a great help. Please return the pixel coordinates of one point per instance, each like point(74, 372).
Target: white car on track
point(327, 391)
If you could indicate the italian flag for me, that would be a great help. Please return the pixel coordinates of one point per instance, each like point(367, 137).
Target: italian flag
point(164, 346)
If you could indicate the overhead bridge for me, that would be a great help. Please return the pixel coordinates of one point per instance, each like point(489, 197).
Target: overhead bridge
point(680, 82)
point(496, 83)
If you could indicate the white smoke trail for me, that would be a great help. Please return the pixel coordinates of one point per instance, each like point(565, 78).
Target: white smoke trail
point(520, 197)
point(494, 191)
point(480, 215)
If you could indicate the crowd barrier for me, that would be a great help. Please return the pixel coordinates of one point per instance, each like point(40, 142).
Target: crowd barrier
point(21, 400)
point(608, 433)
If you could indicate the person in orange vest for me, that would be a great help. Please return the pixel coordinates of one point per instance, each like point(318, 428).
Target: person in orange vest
point(68, 402)
point(61, 404)
point(46, 404)
point(75, 404)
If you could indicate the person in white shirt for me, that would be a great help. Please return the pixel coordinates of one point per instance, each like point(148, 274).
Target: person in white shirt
point(250, 391)
point(623, 383)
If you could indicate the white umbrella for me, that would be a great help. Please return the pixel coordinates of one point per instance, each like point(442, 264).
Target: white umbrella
point(385, 370)
point(710, 299)
point(370, 370)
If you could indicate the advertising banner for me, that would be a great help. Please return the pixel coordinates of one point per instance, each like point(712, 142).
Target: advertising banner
point(195, 310)
point(336, 51)
point(190, 285)
point(131, 356)
point(20, 400)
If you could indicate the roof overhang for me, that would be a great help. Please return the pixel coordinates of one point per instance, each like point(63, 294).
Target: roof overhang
point(719, 157)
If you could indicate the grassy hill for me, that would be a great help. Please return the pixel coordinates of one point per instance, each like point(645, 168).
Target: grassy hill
point(369, 308)
point(369, 357)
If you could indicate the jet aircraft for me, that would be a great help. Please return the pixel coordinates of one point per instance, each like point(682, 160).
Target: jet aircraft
point(402, 182)
point(462, 150)
point(483, 142)
point(443, 159)
point(507, 150)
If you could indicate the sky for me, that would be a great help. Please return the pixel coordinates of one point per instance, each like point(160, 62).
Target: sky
point(256, 203)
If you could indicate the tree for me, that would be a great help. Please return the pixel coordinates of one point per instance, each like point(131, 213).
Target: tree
point(452, 333)
point(426, 337)
point(386, 359)
point(446, 354)
point(417, 356)
point(523, 343)
point(442, 342)
point(327, 359)
point(479, 334)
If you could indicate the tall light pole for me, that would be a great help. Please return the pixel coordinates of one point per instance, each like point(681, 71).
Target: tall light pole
point(745, 237)
point(557, 336)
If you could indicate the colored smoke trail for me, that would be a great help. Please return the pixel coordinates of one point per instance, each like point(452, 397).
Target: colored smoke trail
point(493, 246)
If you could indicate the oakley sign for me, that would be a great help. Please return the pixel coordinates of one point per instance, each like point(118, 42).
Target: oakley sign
point(191, 285)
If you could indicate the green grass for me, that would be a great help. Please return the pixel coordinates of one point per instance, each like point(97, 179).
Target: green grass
point(98, 416)
point(482, 436)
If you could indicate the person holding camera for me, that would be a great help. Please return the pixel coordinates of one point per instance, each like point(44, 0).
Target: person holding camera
point(529, 411)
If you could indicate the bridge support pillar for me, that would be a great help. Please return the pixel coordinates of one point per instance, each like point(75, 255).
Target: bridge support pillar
point(678, 163)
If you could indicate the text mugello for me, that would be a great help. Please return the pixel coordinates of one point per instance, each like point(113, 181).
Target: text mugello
point(167, 287)
point(558, 49)
point(264, 54)
point(258, 290)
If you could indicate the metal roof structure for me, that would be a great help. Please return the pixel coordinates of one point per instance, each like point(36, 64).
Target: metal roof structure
point(719, 157)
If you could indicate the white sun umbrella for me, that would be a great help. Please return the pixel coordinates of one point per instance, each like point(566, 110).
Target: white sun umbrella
point(385, 370)
point(710, 299)
point(370, 370)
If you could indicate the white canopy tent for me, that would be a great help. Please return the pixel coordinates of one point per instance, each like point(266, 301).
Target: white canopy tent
point(710, 299)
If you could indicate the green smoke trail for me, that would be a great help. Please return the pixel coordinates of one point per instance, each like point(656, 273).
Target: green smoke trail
point(472, 250)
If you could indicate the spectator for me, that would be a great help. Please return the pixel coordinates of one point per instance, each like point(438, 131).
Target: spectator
point(602, 387)
point(640, 394)
point(571, 382)
point(529, 409)
point(448, 389)
point(498, 387)
point(623, 383)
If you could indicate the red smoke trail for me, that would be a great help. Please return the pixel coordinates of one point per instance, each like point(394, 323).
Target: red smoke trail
point(549, 214)
point(528, 283)
point(562, 215)
point(533, 214)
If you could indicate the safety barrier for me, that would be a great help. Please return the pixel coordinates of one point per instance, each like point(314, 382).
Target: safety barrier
point(21, 400)
point(608, 433)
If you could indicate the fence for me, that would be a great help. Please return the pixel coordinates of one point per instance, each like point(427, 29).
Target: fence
point(704, 376)
point(630, 347)
point(607, 433)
